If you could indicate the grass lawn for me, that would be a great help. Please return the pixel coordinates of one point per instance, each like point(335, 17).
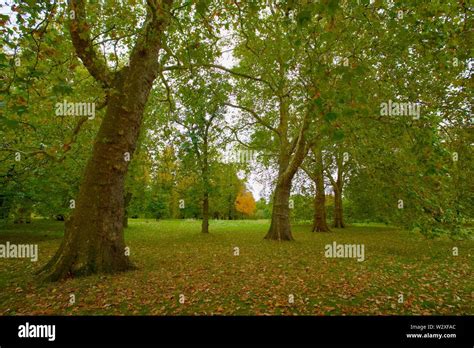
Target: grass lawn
point(174, 258)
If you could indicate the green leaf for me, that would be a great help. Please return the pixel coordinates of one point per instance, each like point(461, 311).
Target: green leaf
point(202, 6)
point(318, 102)
point(62, 88)
point(303, 17)
point(333, 6)
point(330, 116)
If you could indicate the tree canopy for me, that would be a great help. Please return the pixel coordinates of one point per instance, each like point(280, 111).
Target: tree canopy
point(115, 109)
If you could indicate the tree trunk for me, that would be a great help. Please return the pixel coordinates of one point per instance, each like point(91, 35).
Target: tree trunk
point(205, 213)
point(231, 206)
point(319, 223)
point(93, 239)
point(205, 183)
point(338, 185)
point(338, 211)
point(288, 163)
point(280, 228)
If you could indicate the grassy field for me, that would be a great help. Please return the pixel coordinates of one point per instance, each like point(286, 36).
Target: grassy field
point(174, 259)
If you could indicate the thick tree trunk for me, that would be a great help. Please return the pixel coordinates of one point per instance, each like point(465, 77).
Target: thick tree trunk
point(338, 210)
point(280, 228)
point(288, 163)
point(93, 239)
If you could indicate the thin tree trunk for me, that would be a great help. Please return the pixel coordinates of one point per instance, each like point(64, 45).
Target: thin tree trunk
point(319, 223)
point(338, 210)
point(205, 213)
point(338, 184)
point(205, 182)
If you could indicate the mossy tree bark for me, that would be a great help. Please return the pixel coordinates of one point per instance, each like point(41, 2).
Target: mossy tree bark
point(94, 240)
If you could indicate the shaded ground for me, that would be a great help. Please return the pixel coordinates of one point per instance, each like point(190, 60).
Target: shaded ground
point(174, 259)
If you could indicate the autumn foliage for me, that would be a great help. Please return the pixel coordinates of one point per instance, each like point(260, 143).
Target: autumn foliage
point(245, 203)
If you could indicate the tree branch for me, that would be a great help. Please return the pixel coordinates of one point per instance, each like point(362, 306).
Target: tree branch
point(255, 115)
point(302, 148)
point(308, 172)
point(81, 39)
point(240, 74)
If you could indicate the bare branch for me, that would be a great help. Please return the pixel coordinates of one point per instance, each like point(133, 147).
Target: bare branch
point(240, 74)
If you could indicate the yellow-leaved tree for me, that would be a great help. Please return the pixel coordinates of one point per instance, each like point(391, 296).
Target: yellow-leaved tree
point(245, 203)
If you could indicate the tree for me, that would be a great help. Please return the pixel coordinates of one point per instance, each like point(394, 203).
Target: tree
point(340, 168)
point(404, 167)
point(41, 153)
point(267, 92)
point(225, 188)
point(93, 240)
point(315, 171)
point(245, 203)
point(200, 115)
